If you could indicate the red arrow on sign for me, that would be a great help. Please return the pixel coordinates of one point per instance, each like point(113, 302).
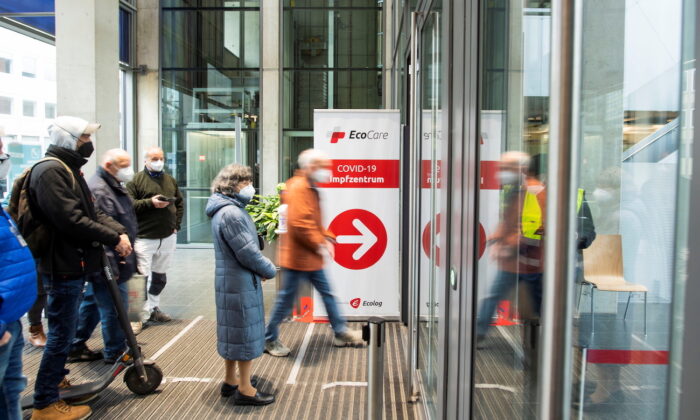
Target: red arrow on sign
point(361, 239)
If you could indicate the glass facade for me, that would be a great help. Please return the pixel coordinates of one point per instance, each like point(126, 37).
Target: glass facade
point(480, 102)
point(332, 58)
point(210, 97)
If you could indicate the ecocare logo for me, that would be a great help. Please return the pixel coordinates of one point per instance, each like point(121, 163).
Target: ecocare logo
point(357, 302)
point(336, 135)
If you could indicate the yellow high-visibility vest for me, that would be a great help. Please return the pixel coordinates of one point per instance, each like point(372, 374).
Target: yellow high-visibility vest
point(531, 218)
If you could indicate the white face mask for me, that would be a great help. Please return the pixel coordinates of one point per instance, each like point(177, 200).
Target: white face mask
point(321, 176)
point(156, 165)
point(507, 177)
point(125, 174)
point(247, 192)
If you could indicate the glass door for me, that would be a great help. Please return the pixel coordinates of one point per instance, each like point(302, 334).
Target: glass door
point(513, 134)
point(626, 206)
point(430, 273)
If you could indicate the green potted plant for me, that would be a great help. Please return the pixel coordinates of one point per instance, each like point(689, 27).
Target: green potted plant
point(264, 209)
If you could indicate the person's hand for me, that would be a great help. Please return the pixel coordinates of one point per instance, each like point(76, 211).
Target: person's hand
point(124, 246)
point(157, 203)
point(327, 249)
point(331, 250)
point(5, 339)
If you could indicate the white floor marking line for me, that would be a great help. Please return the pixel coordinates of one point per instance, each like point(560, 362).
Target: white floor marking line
point(497, 386)
point(177, 337)
point(186, 379)
point(513, 344)
point(297, 363)
point(334, 384)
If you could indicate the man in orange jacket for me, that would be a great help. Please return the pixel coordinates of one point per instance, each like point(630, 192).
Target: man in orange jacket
point(302, 250)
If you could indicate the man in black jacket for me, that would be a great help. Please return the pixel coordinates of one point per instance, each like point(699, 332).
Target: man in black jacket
point(61, 199)
point(159, 209)
point(97, 306)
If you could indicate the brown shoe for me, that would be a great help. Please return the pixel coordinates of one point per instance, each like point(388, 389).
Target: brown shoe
point(37, 338)
point(62, 411)
point(65, 384)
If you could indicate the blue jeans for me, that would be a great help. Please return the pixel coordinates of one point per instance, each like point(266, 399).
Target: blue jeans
point(502, 285)
point(285, 300)
point(97, 306)
point(64, 296)
point(12, 382)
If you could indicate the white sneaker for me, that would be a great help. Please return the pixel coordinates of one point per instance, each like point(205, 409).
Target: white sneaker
point(348, 338)
point(136, 327)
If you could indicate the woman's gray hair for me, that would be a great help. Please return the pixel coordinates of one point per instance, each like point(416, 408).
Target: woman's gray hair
point(226, 182)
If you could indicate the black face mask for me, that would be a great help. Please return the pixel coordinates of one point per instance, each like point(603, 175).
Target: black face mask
point(86, 149)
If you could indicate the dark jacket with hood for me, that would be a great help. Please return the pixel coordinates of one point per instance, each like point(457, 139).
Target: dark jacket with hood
point(65, 205)
point(112, 198)
point(240, 317)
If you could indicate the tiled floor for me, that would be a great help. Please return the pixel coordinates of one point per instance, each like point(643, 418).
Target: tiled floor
point(328, 383)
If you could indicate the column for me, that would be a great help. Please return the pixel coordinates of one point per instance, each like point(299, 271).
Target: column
point(148, 82)
point(87, 68)
point(271, 95)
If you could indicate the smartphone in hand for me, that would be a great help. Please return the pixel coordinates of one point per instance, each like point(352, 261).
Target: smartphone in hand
point(166, 199)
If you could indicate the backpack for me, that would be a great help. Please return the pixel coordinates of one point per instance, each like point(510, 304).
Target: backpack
point(34, 231)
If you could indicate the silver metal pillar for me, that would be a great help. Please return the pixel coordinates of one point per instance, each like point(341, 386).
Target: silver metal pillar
point(555, 357)
point(414, 237)
point(375, 334)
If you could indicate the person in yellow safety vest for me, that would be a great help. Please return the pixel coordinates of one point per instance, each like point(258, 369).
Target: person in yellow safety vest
point(516, 245)
point(585, 228)
point(596, 396)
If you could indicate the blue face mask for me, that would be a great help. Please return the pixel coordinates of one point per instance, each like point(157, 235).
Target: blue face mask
point(247, 193)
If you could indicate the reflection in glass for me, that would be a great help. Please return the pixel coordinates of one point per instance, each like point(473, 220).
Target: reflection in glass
point(430, 77)
point(628, 170)
point(512, 206)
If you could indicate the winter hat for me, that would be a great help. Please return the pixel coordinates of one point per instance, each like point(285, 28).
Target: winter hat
point(65, 131)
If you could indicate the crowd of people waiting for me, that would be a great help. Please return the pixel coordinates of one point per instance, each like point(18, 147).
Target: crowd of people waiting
point(59, 225)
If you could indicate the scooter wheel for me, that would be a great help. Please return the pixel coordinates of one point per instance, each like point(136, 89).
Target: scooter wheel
point(154, 376)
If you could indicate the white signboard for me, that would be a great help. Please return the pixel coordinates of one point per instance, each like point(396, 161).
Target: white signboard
point(361, 207)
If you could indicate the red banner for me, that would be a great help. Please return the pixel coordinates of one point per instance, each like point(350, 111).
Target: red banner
point(427, 174)
point(489, 169)
point(364, 174)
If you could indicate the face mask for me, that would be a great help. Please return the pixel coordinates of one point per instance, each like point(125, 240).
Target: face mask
point(601, 195)
point(86, 149)
point(156, 165)
point(125, 174)
point(247, 192)
point(507, 177)
point(321, 176)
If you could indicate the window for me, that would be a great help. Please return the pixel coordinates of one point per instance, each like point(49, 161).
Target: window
point(50, 111)
point(332, 58)
point(29, 67)
point(5, 105)
point(5, 65)
point(210, 97)
point(29, 108)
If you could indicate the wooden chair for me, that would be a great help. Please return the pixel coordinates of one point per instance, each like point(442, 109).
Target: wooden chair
point(603, 270)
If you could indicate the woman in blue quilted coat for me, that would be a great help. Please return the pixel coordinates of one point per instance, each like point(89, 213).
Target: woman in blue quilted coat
point(17, 294)
point(240, 267)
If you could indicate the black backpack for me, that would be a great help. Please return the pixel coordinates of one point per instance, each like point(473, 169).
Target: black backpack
point(34, 231)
